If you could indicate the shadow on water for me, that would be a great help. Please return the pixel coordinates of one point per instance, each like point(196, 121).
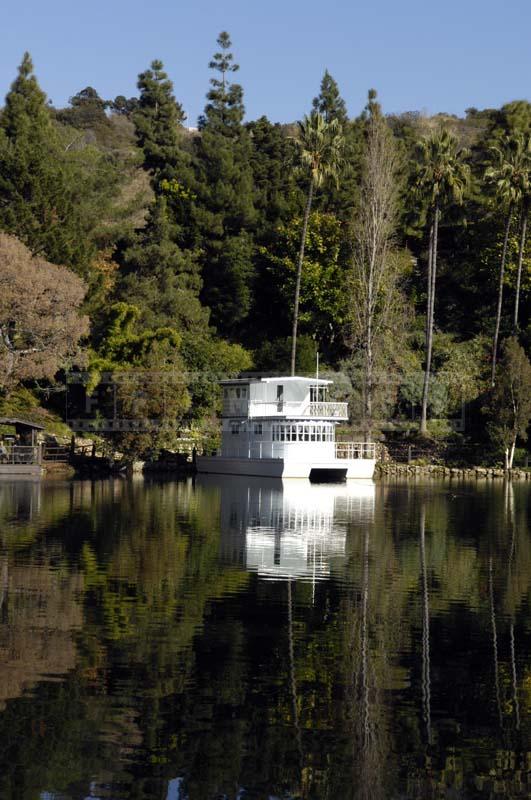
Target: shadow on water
point(248, 638)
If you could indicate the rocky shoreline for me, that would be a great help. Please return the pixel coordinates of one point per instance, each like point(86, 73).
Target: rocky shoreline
point(389, 469)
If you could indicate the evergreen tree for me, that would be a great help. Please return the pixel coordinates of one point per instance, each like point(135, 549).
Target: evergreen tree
point(38, 186)
point(224, 213)
point(329, 102)
point(87, 110)
point(158, 120)
point(225, 109)
point(161, 279)
point(277, 197)
point(340, 197)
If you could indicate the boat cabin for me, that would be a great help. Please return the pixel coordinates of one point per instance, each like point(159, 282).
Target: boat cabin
point(279, 417)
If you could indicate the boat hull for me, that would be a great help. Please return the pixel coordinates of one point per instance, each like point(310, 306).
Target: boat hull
point(340, 468)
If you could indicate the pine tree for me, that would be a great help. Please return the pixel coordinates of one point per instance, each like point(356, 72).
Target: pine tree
point(158, 122)
point(162, 279)
point(38, 186)
point(329, 102)
point(225, 109)
point(277, 197)
point(224, 213)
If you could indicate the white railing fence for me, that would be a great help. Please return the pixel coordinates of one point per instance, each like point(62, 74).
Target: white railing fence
point(325, 409)
point(287, 408)
point(20, 454)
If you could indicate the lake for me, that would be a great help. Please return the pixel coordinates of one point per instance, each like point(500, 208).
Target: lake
point(244, 638)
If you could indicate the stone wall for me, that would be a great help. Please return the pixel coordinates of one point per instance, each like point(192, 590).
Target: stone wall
point(437, 471)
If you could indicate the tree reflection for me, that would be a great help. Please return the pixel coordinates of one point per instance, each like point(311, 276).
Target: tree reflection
point(143, 641)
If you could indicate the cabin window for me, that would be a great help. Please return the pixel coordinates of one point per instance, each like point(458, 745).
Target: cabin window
point(235, 428)
point(225, 393)
point(318, 394)
point(237, 393)
point(258, 429)
point(244, 391)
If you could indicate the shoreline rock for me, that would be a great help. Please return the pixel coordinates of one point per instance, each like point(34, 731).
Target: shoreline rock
point(438, 471)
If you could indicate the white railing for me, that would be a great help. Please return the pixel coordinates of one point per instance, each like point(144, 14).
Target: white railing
point(20, 454)
point(326, 409)
point(287, 408)
point(351, 450)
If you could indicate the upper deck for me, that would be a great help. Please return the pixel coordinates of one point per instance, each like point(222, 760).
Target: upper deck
point(283, 397)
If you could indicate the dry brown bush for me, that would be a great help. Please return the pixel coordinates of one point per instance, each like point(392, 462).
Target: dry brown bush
point(41, 324)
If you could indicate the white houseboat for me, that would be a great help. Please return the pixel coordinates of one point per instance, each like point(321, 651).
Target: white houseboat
point(285, 428)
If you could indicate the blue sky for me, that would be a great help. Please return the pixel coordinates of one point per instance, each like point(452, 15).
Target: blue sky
point(419, 54)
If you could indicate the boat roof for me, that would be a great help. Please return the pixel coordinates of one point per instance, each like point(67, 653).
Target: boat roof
point(278, 379)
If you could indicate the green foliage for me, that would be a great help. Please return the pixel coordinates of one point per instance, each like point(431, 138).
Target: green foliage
point(323, 298)
point(509, 407)
point(442, 174)
point(161, 278)
point(329, 102)
point(223, 213)
point(158, 119)
point(225, 109)
point(87, 110)
point(145, 380)
point(39, 184)
point(201, 231)
point(321, 148)
point(274, 356)
point(509, 171)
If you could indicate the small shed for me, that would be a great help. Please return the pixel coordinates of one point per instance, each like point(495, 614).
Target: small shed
point(27, 430)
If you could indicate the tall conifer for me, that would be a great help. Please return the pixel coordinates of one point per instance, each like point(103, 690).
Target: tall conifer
point(224, 210)
point(38, 189)
point(329, 102)
point(158, 122)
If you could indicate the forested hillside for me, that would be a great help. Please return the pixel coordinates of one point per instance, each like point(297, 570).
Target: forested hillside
point(166, 253)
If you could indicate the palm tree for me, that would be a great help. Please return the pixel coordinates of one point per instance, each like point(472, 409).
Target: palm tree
point(507, 173)
point(441, 177)
point(321, 145)
point(526, 200)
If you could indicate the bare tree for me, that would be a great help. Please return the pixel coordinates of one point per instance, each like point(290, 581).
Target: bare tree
point(510, 402)
point(375, 263)
point(40, 320)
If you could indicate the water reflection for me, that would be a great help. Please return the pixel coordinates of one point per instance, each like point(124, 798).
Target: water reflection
point(289, 529)
point(250, 639)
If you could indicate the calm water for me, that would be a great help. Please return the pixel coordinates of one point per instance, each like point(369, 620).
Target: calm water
point(240, 638)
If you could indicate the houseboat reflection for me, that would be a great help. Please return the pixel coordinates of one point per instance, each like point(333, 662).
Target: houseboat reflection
point(287, 528)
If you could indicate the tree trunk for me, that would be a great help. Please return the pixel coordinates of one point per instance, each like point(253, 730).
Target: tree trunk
point(510, 457)
point(495, 645)
point(299, 274)
point(432, 274)
point(521, 251)
point(426, 686)
point(500, 295)
point(369, 369)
